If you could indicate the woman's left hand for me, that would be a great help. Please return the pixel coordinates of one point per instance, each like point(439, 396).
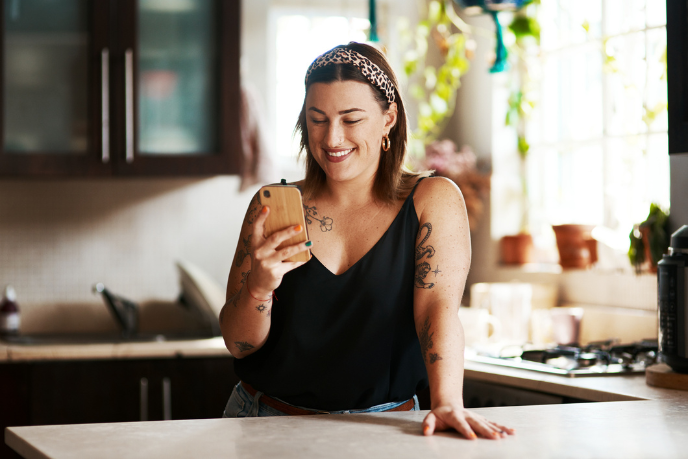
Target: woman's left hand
point(463, 421)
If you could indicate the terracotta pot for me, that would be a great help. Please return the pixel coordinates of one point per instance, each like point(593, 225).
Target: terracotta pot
point(577, 248)
point(651, 265)
point(516, 249)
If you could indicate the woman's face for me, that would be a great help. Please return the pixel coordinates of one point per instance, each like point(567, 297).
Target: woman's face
point(345, 128)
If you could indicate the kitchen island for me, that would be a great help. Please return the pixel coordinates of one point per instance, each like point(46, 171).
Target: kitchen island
point(630, 420)
point(645, 429)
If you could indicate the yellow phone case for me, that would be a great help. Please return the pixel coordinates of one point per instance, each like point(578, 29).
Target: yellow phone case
point(286, 209)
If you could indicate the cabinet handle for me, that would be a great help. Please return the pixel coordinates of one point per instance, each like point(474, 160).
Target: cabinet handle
point(105, 102)
point(143, 399)
point(129, 103)
point(166, 399)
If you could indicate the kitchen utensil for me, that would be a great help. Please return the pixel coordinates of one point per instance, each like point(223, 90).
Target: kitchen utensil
point(479, 326)
point(672, 282)
point(510, 304)
point(566, 325)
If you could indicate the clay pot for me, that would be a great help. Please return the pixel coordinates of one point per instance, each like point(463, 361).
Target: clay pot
point(577, 248)
point(516, 249)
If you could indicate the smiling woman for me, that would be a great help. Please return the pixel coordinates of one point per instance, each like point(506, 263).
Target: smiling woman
point(372, 317)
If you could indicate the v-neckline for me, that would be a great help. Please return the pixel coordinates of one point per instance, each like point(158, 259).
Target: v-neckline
point(313, 257)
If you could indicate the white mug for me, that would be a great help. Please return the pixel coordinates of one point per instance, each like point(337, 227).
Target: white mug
point(479, 326)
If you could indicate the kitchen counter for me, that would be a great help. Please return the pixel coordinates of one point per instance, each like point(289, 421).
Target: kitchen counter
point(212, 347)
point(642, 421)
point(624, 430)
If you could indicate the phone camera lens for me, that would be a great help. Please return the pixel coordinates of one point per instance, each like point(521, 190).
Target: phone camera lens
point(266, 193)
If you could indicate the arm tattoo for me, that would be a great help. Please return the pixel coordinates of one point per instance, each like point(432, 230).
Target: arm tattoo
point(310, 215)
point(244, 276)
point(235, 298)
point(425, 338)
point(243, 346)
point(428, 251)
point(245, 252)
point(253, 210)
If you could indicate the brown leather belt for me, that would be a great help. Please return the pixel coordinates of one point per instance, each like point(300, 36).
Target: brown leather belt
point(294, 411)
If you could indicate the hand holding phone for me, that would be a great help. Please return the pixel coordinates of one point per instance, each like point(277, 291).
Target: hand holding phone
point(286, 210)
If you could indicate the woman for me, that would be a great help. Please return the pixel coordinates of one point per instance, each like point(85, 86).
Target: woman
point(372, 317)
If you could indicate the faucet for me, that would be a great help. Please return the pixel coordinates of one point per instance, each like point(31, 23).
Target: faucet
point(126, 312)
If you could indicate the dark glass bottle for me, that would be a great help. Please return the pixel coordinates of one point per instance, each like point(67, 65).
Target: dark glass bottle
point(9, 313)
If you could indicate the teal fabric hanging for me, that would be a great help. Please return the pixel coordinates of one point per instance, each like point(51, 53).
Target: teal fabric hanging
point(373, 21)
point(493, 7)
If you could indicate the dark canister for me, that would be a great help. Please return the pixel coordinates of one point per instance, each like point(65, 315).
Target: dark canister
point(672, 296)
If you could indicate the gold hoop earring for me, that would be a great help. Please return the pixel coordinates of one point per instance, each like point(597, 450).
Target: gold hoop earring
point(386, 143)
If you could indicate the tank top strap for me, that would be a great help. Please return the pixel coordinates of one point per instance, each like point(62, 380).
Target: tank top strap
point(413, 191)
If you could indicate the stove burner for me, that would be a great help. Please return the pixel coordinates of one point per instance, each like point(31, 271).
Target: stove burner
point(597, 358)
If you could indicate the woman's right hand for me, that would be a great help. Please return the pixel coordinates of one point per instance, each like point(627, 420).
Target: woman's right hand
point(267, 263)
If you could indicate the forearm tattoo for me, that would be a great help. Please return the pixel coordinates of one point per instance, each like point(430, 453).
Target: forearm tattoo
point(244, 252)
point(235, 299)
point(425, 338)
point(423, 268)
point(243, 346)
point(310, 213)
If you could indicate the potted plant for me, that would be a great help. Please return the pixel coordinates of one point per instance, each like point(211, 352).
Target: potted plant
point(649, 240)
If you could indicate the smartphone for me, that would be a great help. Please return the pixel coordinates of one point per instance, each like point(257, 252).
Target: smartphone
point(286, 209)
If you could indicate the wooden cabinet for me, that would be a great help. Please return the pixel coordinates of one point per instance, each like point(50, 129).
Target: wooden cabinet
point(76, 392)
point(120, 87)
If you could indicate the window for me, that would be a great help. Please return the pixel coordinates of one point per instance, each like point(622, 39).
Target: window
point(300, 33)
point(598, 132)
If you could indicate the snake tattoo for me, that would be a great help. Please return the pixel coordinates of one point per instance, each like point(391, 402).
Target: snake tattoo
point(428, 251)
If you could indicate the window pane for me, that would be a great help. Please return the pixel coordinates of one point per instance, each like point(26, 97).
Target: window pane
point(45, 80)
point(623, 16)
point(300, 38)
point(626, 79)
point(177, 70)
point(656, 79)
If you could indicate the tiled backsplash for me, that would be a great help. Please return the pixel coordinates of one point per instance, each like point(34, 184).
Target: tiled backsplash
point(58, 238)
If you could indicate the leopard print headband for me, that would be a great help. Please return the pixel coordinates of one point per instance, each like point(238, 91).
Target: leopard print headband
point(369, 70)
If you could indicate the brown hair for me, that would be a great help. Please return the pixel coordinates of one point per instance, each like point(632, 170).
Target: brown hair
point(392, 181)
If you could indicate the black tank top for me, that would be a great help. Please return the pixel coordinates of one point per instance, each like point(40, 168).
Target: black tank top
point(347, 341)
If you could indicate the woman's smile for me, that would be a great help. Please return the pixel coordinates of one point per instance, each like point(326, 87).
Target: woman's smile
point(338, 155)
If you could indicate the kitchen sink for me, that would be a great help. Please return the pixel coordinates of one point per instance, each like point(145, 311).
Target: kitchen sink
point(57, 339)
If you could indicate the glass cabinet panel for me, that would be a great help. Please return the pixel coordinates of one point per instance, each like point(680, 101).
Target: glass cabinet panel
point(45, 76)
point(177, 77)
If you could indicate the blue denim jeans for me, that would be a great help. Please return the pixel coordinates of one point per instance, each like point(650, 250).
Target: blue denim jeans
point(241, 405)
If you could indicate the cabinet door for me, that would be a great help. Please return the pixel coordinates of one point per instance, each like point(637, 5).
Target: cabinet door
point(201, 387)
point(78, 392)
point(177, 95)
point(54, 94)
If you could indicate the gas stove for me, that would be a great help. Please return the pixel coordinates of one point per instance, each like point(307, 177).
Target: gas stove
point(596, 359)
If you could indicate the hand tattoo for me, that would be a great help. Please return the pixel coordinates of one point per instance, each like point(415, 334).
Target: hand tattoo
point(423, 267)
point(310, 215)
point(243, 346)
point(425, 338)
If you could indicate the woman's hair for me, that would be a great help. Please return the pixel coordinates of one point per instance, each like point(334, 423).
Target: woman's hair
point(392, 181)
